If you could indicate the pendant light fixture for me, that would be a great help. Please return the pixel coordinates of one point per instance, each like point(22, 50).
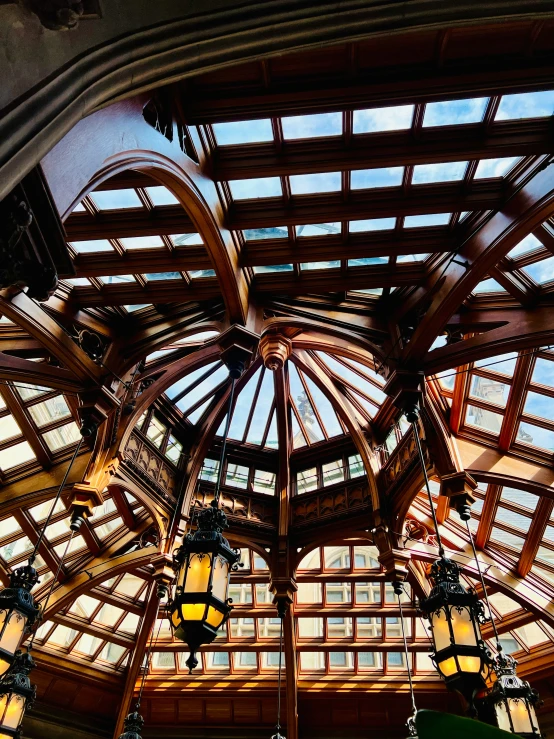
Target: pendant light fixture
point(411, 722)
point(16, 695)
point(455, 613)
point(510, 704)
point(203, 564)
point(18, 611)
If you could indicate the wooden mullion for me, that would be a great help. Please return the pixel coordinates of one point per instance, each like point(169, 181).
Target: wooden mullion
point(268, 424)
point(253, 404)
point(311, 401)
point(488, 513)
point(516, 400)
point(28, 527)
point(124, 509)
point(195, 384)
point(534, 537)
point(27, 427)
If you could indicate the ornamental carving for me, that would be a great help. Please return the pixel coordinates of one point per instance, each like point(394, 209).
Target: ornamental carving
point(150, 465)
point(275, 350)
point(242, 509)
point(328, 504)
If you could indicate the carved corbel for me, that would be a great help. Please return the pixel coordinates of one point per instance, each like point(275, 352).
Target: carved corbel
point(275, 350)
point(237, 345)
point(405, 387)
point(283, 589)
point(394, 560)
point(84, 499)
point(459, 487)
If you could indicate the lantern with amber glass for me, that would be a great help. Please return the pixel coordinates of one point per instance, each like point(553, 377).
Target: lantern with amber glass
point(455, 615)
point(18, 613)
point(511, 702)
point(203, 565)
point(16, 695)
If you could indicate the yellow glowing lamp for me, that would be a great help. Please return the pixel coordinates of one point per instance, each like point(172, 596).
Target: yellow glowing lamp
point(16, 695)
point(512, 701)
point(203, 565)
point(455, 615)
point(18, 613)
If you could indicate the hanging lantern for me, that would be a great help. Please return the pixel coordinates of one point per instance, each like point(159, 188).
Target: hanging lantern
point(203, 565)
point(455, 615)
point(132, 726)
point(16, 695)
point(511, 702)
point(17, 613)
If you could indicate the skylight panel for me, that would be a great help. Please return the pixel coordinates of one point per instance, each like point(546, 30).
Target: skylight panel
point(200, 274)
point(528, 244)
point(142, 242)
point(116, 199)
point(366, 261)
point(371, 224)
point(491, 390)
point(304, 407)
point(543, 373)
point(258, 187)
point(261, 411)
point(307, 266)
point(439, 172)
point(116, 279)
point(49, 410)
point(362, 179)
point(536, 436)
point(488, 286)
point(185, 382)
point(411, 258)
point(62, 436)
point(526, 105)
point(92, 246)
point(455, 112)
point(520, 498)
point(312, 126)
point(243, 132)
point(15, 455)
point(193, 239)
point(198, 336)
point(483, 419)
point(138, 306)
point(325, 409)
point(206, 386)
point(428, 219)
point(257, 234)
point(542, 272)
point(79, 208)
point(489, 168)
point(319, 182)
point(243, 407)
point(318, 229)
point(78, 281)
point(369, 291)
point(158, 276)
point(8, 526)
point(504, 363)
point(8, 428)
point(393, 118)
point(537, 404)
point(265, 268)
point(160, 195)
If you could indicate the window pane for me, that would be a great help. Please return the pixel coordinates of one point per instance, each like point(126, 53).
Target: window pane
point(50, 410)
point(306, 480)
point(237, 476)
point(393, 118)
point(264, 482)
point(483, 419)
point(337, 558)
point(492, 390)
point(16, 455)
point(528, 433)
point(63, 436)
point(356, 466)
point(333, 472)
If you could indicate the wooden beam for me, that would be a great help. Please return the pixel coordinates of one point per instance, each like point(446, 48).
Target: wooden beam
point(142, 262)
point(18, 369)
point(533, 540)
point(168, 291)
point(487, 517)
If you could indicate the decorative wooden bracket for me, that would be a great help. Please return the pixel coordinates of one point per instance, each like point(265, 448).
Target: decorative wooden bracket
point(283, 589)
point(405, 387)
point(237, 345)
point(275, 350)
point(459, 488)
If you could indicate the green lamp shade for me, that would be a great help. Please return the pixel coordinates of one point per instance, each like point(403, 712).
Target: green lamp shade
point(436, 725)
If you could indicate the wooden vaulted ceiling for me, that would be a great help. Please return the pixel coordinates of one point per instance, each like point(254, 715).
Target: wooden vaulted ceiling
point(381, 206)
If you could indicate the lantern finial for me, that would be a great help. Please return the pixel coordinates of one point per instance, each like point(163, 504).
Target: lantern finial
point(192, 661)
point(132, 726)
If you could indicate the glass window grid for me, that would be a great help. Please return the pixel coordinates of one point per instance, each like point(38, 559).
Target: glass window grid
point(246, 481)
point(320, 478)
point(144, 424)
point(71, 648)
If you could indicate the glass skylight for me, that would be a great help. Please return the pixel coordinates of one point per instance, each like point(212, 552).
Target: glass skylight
point(260, 187)
point(380, 177)
point(138, 306)
point(504, 363)
point(454, 112)
point(62, 436)
point(537, 436)
point(243, 132)
point(401, 258)
point(393, 118)
point(79, 208)
point(318, 229)
point(78, 281)
point(197, 274)
point(365, 261)
point(94, 245)
point(116, 199)
point(444, 172)
point(543, 372)
point(306, 184)
point(192, 239)
point(264, 268)
point(160, 195)
point(372, 224)
point(529, 243)
point(526, 105)
point(494, 167)
point(312, 126)
point(428, 219)
point(142, 242)
point(542, 272)
point(115, 279)
point(156, 276)
point(537, 404)
point(488, 286)
point(257, 234)
point(306, 266)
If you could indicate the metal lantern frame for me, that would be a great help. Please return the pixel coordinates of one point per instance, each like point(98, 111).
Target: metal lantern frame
point(16, 687)
point(448, 596)
point(207, 541)
point(510, 693)
point(132, 726)
point(18, 613)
